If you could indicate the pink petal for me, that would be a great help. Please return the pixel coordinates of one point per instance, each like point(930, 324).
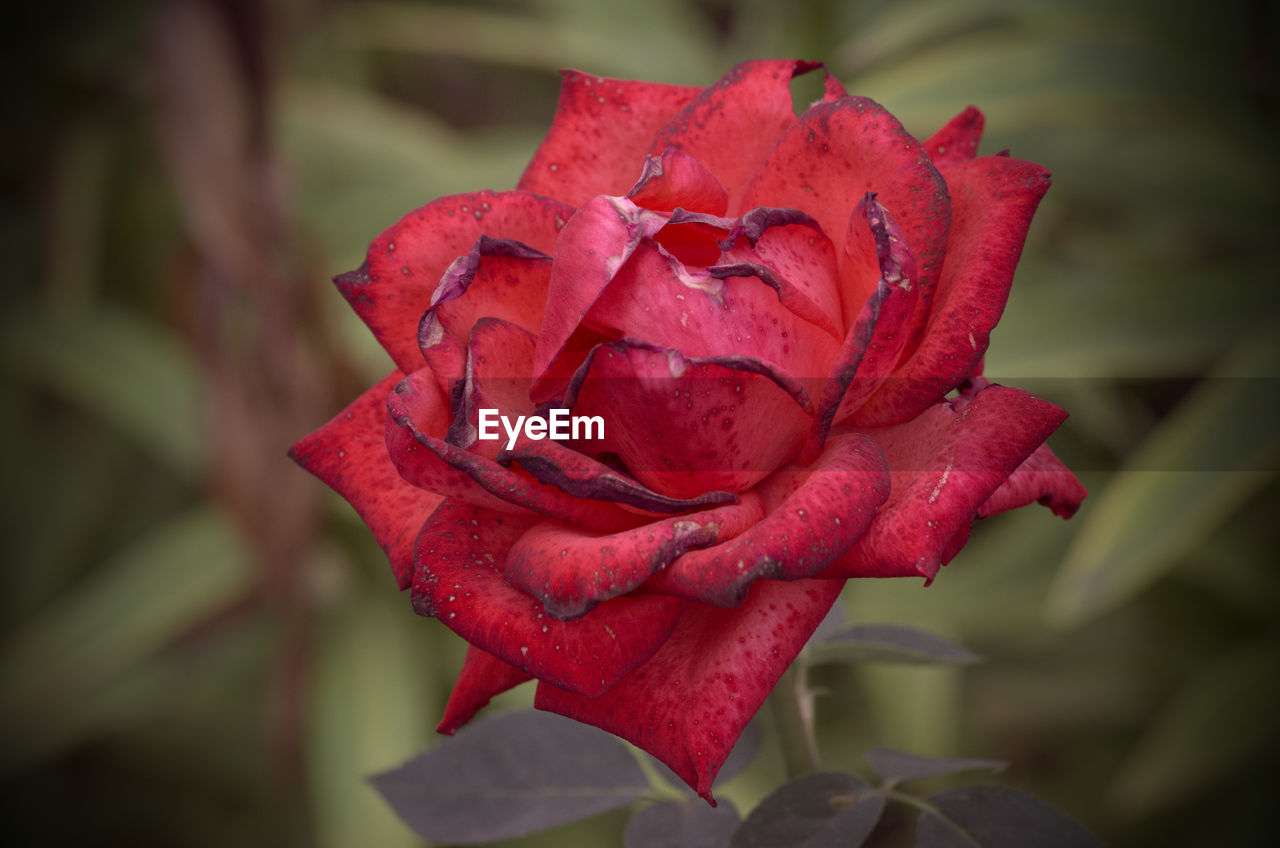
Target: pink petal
point(431, 463)
point(731, 126)
point(878, 334)
point(944, 465)
point(458, 555)
point(596, 243)
point(675, 180)
point(599, 136)
point(993, 199)
point(684, 426)
point(571, 570)
point(957, 142)
point(797, 254)
point(814, 516)
point(483, 675)
point(393, 288)
point(657, 299)
point(689, 703)
point(1042, 478)
point(834, 155)
point(350, 456)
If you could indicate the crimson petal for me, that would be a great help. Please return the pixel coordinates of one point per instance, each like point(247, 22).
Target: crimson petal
point(993, 199)
point(689, 703)
point(1043, 479)
point(944, 465)
point(483, 675)
point(957, 141)
point(571, 570)
point(731, 125)
point(688, 425)
point(434, 464)
point(600, 133)
point(350, 455)
point(457, 557)
point(583, 477)
point(806, 529)
point(834, 155)
point(393, 288)
point(676, 180)
point(496, 376)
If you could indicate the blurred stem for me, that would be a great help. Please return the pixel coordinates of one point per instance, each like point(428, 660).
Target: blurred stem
point(792, 705)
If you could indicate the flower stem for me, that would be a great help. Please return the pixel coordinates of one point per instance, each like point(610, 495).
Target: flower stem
point(792, 705)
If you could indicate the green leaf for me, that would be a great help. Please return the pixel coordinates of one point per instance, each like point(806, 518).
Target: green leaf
point(510, 776)
point(1217, 448)
point(890, 643)
point(996, 817)
point(134, 375)
point(821, 810)
point(133, 605)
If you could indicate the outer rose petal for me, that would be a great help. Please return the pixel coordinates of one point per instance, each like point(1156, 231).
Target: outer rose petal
point(689, 703)
point(814, 515)
point(993, 199)
point(944, 464)
point(730, 126)
point(838, 152)
point(483, 675)
point(957, 142)
point(457, 555)
point(350, 455)
point(1041, 478)
point(393, 288)
point(600, 135)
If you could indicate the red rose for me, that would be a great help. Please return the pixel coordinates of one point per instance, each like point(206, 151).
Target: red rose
point(768, 313)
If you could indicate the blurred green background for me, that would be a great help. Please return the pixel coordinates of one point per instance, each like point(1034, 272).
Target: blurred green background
point(202, 646)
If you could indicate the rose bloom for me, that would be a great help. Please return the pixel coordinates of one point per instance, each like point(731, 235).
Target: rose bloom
point(781, 321)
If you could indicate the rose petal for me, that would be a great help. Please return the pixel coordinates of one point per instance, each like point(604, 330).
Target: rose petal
point(993, 199)
point(834, 155)
point(571, 570)
point(600, 134)
point(1043, 479)
point(814, 516)
point(497, 278)
point(676, 180)
point(684, 426)
point(456, 580)
point(944, 465)
point(393, 288)
point(689, 703)
point(877, 336)
point(657, 299)
point(434, 464)
point(499, 358)
point(350, 455)
point(583, 477)
point(483, 675)
point(799, 256)
point(596, 243)
point(957, 141)
point(731, 126)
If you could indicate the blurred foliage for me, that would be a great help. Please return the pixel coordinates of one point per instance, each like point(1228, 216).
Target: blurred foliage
point(200, 648)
